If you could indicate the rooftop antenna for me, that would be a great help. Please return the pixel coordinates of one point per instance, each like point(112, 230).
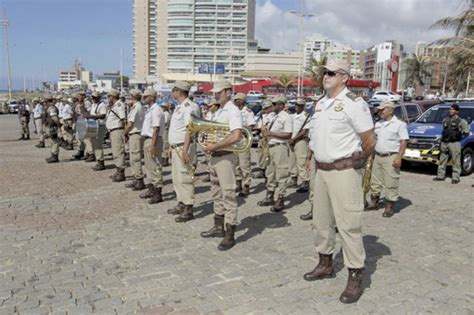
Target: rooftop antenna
point(5, 23)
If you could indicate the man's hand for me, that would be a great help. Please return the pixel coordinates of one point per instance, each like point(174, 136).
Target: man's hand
point(291, 142)
point(185, 156)
point(397, 163)
point(153, 152)
point(169, 152)
point(209, 148)
point(265, 132)
point(308, 165)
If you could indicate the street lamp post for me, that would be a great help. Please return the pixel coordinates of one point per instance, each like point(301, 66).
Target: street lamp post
point(302, 15)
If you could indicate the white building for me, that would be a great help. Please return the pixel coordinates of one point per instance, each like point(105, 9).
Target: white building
point(176, 39)
point(75, 77)
point(272, 64)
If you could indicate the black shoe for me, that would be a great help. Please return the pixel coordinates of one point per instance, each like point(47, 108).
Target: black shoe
point(186, 214)
point(40, 145)
point(229, 240)
point(139, 185)
point(100, 166)
point(131, 183)
point(279, 205)
point(308, 216)
point(52, 159)
point(304, 188)
point(79, 155)
point(455, 181)
point(217, 230)
point(156, 197)
point(438, 179)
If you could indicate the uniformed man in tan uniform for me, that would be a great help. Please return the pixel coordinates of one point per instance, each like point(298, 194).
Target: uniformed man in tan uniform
point(278, 133)
point(152, 134)
point(392, 139)
point(299, 146)
point(266, 117)
point(98, 112)
point(52, 124)
point(115, 122)
point(68, 126)
point(243, 169)
point(133, 130)
point(342, 139)
point(166, 112)
point(38, 116)
point(182, 171)
point(222, 167)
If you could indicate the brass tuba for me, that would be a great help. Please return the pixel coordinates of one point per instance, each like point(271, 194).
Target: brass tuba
point(213, 132)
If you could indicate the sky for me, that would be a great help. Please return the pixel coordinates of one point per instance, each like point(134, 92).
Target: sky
point(48, 35)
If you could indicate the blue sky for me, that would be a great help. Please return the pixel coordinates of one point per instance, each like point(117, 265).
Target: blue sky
point(48, 35)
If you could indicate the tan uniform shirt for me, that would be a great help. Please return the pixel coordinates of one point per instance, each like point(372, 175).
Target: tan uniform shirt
point(282, 122)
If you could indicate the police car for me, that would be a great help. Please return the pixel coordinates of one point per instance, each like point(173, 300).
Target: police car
point(425, 136)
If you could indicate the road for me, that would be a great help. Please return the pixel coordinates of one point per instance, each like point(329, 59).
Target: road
point(73, 242)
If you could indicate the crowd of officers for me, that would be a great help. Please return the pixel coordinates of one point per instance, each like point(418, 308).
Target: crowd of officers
point(330, 147)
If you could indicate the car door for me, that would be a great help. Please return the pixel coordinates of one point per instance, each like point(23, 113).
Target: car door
point(413, 112)
point(399, 113)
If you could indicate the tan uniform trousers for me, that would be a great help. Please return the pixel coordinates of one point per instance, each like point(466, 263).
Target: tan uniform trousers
point(52, 134)
point(277, 171)
point(338, 201)
point(164, 155)
point(182, 177)
point(384, 175)
point(118, 148)
point(222, 171)
point(98, 143)
point(135, 147)
point(297, 160)
point(40, 129)
point(68, 130)
point(242, 172)
point(153, 169)
point(25, 128)
point(260, 157)
point(61, 130)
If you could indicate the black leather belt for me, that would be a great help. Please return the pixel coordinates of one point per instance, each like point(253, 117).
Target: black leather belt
point(275, 144)
point(220, 153)
point(174, 146)
point(386, 154)
point(115, 129)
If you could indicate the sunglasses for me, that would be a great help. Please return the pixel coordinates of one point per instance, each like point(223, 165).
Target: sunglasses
point(331, 73)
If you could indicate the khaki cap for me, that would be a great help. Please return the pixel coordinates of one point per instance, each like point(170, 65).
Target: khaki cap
point(279, 99)
point(149, 92)
point(338, 65)
point(182, 85)
point(114, 93)
point(136, 93)
point(386, 104)
point(300, 102)
point(95, 94)
point(81, 93)
point(36, 99)
point(267, 104)
point(221, 85)
point(240, 96)
point(75, 95)
point(48, 97)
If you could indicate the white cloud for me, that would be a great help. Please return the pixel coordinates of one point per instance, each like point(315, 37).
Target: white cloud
point(360, 23)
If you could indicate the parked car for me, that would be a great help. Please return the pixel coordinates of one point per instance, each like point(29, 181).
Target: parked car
point(255, 94)
point(407, 112)
point(425, 136)
point(13, 106)
point(387, 96)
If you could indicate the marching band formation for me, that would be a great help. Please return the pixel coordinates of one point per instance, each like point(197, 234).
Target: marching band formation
point(330, 147)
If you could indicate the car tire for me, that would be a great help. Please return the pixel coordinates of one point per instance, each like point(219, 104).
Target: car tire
point(466, 161)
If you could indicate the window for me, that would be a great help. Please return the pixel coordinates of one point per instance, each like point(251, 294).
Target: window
point(412, 112)
point(398, 112)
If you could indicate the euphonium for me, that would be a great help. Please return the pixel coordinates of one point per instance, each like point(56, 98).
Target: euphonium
point(213, 132)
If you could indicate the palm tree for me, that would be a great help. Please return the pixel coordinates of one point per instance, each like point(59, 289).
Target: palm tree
point(461, 55)
point(285, 81)
point(418, 70)
point(316, 71)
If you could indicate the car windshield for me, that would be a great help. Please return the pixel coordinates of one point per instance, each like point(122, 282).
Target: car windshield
point(435, 115)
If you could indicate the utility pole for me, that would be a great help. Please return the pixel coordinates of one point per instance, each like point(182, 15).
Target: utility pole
point(4, 22)
point(121, 69)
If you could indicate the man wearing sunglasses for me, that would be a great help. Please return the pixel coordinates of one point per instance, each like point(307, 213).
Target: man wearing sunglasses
point(342, 137)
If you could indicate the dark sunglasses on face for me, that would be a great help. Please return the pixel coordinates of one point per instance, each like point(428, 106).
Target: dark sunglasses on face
point(330, 73)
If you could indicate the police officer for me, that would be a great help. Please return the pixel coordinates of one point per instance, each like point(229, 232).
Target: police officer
point(135, 142)
point(454, 130)
point(24, 118)
point(243, 169)
point(181, 170)
point(52, 125)
point(115, 123)
point(266, 116)
point(342, 138)
point(60, 106)
point(152, 134)
point(299, 146)
point(68, 125)
point(98, 112)
point(392, 139)
point(222, 167)
point(278, 133)
point(167, 115)
point(38, 116)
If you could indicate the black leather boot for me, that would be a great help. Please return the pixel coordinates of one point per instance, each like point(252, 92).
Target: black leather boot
point(268, 200)
point(177, 209)
point(304, 187)
point(245, 191)
point(388, 209)
point(279, 205)
point(147, 194)
point(53, 159)
point(293, 182)
point(373, 203)
point(308, 216)
point(217, 230)
point(229, 240)
point(131, 183)
point(323, 270)
point(40, 145)
point(90, 158)
point(239, 187)
point(79, 155)
point(186, 214)
point(100, 166)
point(119, 175)
point(139, 185)
point(157, 197)
point(353, 289)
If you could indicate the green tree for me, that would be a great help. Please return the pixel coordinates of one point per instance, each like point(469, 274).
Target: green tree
point(461, 55)
point(125, 82)
point(316, 71)
point(285, 81)
point(417, 70)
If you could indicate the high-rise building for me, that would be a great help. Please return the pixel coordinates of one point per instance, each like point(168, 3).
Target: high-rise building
point(314, 46)
point(437, 56)
point(179, 39)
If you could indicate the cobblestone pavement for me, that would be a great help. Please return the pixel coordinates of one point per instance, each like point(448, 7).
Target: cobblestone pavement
point(73, 242)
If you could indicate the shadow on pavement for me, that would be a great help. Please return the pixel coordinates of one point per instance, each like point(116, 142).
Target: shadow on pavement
point(297, 199)
point(256, 224)
point(204, 209)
